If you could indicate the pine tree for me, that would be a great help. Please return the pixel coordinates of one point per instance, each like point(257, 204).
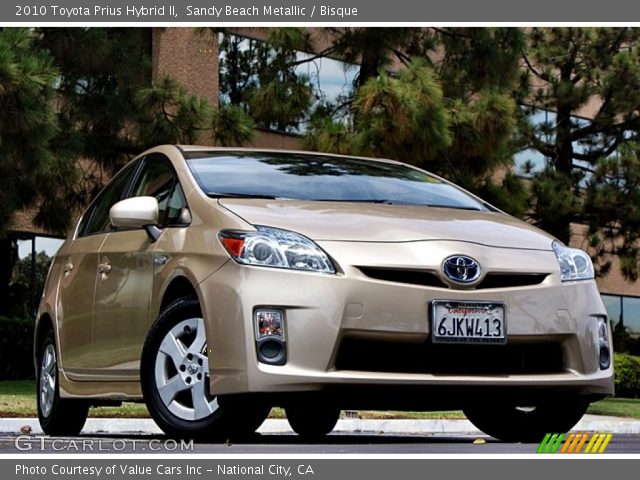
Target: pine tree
point(75, 105)
point(592, 168)
point(32, 175)
point(447, 106)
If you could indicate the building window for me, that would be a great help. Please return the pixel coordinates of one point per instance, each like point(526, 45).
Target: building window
point(30, 272)
point(624, 313)
point(240, 63)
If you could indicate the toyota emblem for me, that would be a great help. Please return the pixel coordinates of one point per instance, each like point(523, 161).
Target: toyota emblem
point(461, 269)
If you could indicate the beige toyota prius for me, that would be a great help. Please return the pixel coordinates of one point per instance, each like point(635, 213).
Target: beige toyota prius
point(214, 284)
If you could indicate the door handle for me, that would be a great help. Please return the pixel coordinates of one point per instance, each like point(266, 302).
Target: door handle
point(67, 267)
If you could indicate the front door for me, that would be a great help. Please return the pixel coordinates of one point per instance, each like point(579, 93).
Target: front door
point(122, 315)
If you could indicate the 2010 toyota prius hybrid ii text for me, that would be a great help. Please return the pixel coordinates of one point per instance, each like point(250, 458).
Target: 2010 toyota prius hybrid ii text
point(216, 283)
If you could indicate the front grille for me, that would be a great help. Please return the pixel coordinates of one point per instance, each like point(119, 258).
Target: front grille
point(507, 280)
point(413, 277)
point(405, 357)
point(429, 278)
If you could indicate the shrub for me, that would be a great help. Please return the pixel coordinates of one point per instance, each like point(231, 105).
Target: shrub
point(16, 348)
point(627, 371)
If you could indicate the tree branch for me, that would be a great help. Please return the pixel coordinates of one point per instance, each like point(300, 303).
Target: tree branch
point(448, 33)
point(594, 128)
point(594, 155)
point(533, 69)
point(544, 148)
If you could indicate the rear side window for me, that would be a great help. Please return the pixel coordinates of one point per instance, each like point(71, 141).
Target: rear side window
point(96, 220)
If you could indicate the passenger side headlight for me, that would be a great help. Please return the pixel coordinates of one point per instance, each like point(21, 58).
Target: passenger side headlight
point(574, 263)
point(273, 247)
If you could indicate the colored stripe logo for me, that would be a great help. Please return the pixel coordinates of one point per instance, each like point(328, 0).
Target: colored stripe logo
point(575, 442)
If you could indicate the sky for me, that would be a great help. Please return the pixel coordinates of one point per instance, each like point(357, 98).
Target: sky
point(49, 245)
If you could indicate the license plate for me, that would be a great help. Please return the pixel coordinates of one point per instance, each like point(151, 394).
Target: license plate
point(467, 322)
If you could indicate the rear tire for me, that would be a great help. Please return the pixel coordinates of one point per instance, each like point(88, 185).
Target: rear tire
point(58, 416)
point(312, 422)
point(175, 380)
point(510, 423)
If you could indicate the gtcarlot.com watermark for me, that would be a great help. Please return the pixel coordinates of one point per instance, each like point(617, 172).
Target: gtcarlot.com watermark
point(28, 443)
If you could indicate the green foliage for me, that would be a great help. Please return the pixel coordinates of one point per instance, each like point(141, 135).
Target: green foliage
point(19, 291)
point(169, 114)
point(16, 348)
point(84, 93)
point(627, 375)
point(327, 135)
point(401, 117)
point(375, 49)
point(615, 230)
point(555, 202)
point(30, 172)
point(261, 78)
point(509, 194)
point(482, 130)
point(100, 72)
point(569, 69)
point(231, 126)
point(281, 103)
point(449, 108)
point(108, 108)
point(478, 59)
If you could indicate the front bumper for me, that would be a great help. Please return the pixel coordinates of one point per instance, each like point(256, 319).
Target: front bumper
point(326, 314)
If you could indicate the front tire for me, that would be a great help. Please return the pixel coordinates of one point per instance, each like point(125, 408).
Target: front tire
point(57, 416)
point(312, 422)
point(175, 380)
point(511, 423)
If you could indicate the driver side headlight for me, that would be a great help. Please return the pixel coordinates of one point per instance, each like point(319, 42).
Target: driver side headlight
point(274, 247)
point(574, 263)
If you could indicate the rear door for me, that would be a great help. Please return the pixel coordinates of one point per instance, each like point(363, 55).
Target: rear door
point(80, 259)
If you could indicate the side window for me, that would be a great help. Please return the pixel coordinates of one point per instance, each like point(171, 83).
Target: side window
point(96, 220)
point(158, 179)
point(175, 206)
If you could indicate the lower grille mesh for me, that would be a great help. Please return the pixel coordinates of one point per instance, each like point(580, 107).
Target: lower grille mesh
point(404, 357)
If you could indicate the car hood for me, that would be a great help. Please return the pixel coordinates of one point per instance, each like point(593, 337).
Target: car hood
point(366, 222)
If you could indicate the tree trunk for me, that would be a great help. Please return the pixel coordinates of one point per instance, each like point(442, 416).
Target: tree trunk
point(8, 257)
point(564, 147)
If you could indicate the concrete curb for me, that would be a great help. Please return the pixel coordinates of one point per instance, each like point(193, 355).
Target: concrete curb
point(348, 425)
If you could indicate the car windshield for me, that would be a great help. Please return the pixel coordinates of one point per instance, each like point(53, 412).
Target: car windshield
point(321, 178)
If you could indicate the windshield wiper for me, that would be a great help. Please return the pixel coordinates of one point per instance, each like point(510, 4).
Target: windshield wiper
point(359, 200)
point(456, 207)
point(240, 195)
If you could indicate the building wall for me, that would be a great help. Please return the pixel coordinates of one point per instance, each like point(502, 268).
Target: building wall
point(190, 55)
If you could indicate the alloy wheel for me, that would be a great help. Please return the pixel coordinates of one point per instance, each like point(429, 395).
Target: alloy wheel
point(182, 371)
point(48, 372)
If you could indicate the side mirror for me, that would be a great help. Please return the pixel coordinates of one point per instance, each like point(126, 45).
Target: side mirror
point(137, 212)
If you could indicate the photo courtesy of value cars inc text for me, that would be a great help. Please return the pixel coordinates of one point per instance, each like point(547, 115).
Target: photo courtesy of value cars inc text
point(271, 470)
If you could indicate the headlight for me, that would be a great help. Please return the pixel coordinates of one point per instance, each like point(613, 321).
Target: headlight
point(574, 263)
point(273, 247)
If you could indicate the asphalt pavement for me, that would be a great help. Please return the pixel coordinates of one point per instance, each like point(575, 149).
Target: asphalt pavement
point(145, 426)
point(275, 436)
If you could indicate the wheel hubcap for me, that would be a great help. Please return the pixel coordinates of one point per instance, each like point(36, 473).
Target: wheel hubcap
point(182, 371)
point(48, 372)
